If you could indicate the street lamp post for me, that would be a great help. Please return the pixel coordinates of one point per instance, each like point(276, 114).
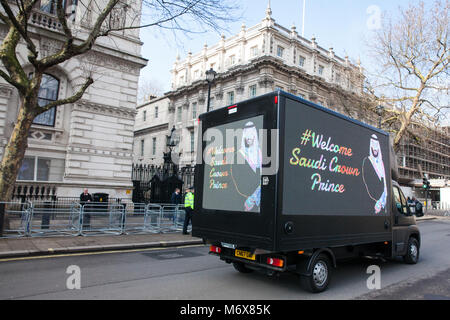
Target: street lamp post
point(170, 144)
point(210, 76)
point(379, 110)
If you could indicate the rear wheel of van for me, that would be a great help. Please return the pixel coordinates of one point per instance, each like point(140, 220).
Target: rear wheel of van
point(412, 252)
point(241, 267)
point(320, 275)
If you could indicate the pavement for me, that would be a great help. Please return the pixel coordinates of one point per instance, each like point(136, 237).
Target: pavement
point(35, 246)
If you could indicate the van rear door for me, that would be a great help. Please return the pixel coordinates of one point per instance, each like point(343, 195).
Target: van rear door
point(234, 200)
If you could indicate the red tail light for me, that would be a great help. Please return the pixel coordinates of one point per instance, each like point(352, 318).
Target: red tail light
point(275, 262)
point(276, 99)
point(215, 249)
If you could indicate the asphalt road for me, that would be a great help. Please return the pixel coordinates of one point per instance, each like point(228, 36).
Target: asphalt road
point(190, 273)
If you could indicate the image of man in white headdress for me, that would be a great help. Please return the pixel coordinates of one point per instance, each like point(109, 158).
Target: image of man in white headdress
point(246, 173)
point(374, 175)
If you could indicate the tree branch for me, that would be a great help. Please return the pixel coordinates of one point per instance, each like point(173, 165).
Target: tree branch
point(71, 99)
point(71, 50)
point(20, 23)
point(62, 19)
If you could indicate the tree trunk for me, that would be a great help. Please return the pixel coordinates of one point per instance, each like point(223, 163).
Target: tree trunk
point(15, 150)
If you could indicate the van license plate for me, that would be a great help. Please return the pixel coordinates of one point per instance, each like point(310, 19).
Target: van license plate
point(245, 254)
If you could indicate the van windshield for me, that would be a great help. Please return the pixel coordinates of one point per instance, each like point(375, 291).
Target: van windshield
point(233, 163)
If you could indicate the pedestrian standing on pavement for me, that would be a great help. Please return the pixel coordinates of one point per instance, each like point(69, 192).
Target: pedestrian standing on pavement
point(86, 198)
point(188, 207)
point(176, 200)
point(419, 207)
point(176, 197)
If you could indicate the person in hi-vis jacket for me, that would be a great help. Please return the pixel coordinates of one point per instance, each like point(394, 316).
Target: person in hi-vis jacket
point(188, 208)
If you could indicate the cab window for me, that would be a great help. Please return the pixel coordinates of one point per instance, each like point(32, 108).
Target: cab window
point(400, 201)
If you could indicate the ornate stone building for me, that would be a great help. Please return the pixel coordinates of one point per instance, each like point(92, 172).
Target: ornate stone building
point(258, 60)
point(264, 58)
point(87, 143)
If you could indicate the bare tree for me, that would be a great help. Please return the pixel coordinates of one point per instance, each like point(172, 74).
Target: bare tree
point(149, 88)
point(104, 17)
point(412, 80)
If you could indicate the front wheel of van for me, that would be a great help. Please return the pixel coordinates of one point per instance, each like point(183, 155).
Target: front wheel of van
point(412, 253)
point(241, 267)
point(320, 275)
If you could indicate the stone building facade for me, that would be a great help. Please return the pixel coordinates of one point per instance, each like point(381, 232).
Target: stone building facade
point(150, 131)
point(88, 143)
point(258, 60)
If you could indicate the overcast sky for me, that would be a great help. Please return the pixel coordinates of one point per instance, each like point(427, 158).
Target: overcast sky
point(343, 25)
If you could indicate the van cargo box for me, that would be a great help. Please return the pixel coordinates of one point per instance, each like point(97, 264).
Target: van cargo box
point(280, 173)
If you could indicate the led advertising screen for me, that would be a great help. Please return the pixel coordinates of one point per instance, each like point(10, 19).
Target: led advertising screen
point(333, 166)
point(233, 162)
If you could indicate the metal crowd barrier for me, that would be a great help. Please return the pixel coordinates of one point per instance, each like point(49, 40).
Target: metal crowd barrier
point(153, 217)
point(179, 220)
point(138, 219)
point(51, 218)
point(45, 218)
point(17, 217)
point(168, 216)
point(101, 217)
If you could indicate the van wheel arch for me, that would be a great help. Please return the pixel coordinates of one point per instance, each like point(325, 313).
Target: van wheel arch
point(415, 236)
point(318, 277)
point(304, 265)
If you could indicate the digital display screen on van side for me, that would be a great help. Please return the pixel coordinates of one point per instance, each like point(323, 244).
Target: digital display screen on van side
point(333, 166)
point(233, 160)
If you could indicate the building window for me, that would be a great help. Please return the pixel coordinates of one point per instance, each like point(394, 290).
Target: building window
point(230, 97)
point(232, 60)
point(153, 145)
point(49, 6)
point(211, 103)
point(254, 51)
point(280, 51)
point(145, 115)
point(301, 61)
point(192, 141)
point(156, 112)
point(142, 147)
point(321, 68)
point(338, 78)
point(41, 169)
point(48, 93)
point(252, 91)
point(196, 74)
point(194, 110)
point(179, 114)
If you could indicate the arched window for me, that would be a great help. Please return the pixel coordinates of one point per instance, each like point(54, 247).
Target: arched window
point(47, 93)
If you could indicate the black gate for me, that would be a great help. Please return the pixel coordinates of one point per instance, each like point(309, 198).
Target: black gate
point(156, 184)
